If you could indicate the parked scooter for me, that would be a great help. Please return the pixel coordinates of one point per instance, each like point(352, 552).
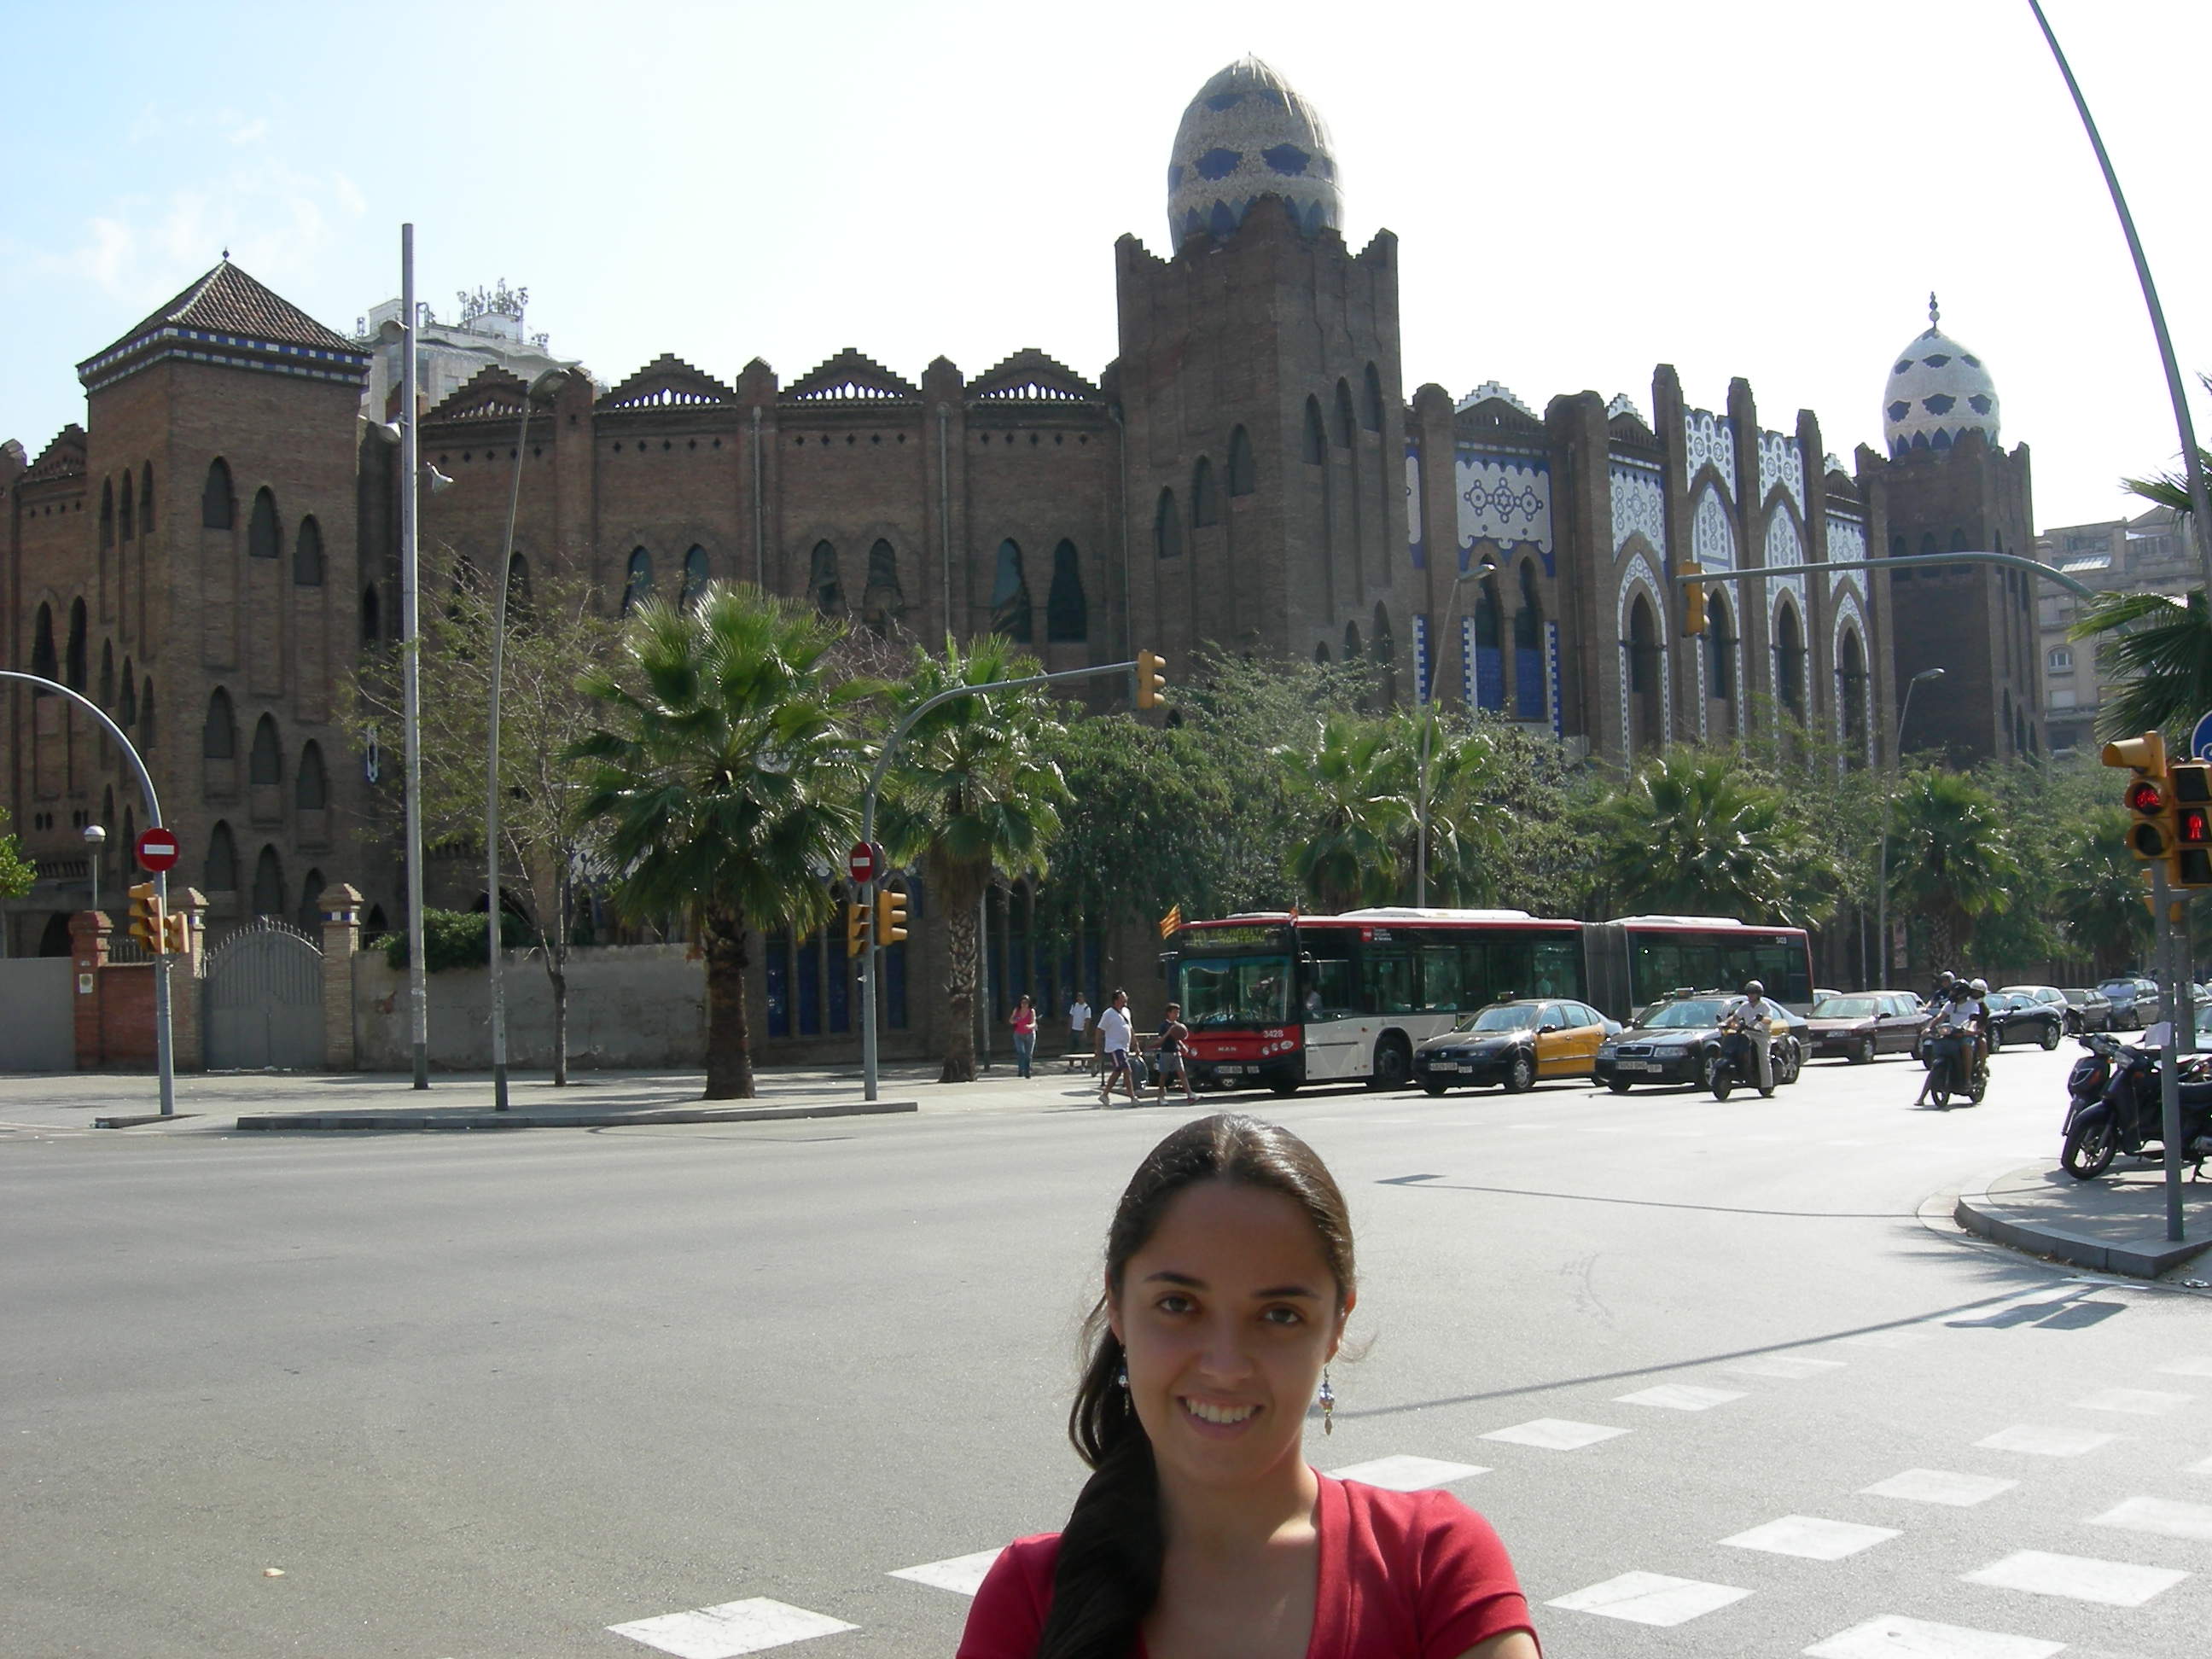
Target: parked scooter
point(1737, 1062)
point(2114, 1106)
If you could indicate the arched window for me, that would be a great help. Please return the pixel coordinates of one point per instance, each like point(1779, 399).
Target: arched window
point(637, 587)
point(219, 872)
point(218, 504)
point(1320, 654)
point(219, 734)
point(695, 576)
point(1385, 649)
point(265, 537)
point(822, 581)
point(125, 517)
point(1067, 614)
point(372, 617)
point(1644, 708)
point(307, 554)
point(1959, 542)
point(1350, 645)
point(1790, 661)
point(882, 602)
point(73, 665)
point(107, 514)
point(146, 730)
point(1241, 481)
point(1010, 596)
point(518, 588)
point(268, 883)
point(146, 497)
point(266, 765)
point(127, 716)
point(1205, 502)
point(1346, 423)
point(311, 785)
point(1371, 414)
point(1724, 647)
point(43, 659)
point(1852, 682)
point(1927, 544)
point(1167, 526)
point(107, 674)
point(1528, 648)
point(1316, 435)
point(311, 903)
point(1489, 656)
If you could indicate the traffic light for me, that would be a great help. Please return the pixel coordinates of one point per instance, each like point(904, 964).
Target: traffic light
point(890, 915)
point(1694, 598)
point(2190, 785)
point(2150, 797)
point(147, 924)
point(177, 929)
point(856, 929)
point(1151, 678)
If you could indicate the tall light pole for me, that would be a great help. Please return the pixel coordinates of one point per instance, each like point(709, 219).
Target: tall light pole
point(410, 664)
point(549, 381)
point(1882, 879)
point(1482, 572)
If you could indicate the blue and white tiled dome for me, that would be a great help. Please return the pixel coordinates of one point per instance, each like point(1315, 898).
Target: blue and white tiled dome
point(1938, 392)
point(1245, 136)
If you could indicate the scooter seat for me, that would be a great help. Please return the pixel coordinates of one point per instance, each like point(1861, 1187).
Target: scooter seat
point(2196, 1094)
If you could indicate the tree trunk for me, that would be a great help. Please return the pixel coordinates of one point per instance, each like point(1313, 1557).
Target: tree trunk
point(954, 893)
point(729, 1038)
point(556, 970)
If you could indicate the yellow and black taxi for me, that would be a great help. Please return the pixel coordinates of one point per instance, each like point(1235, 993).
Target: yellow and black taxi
point(1675, 1040)
point(1516, 1041)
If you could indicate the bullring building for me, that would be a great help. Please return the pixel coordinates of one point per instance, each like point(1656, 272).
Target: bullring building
point(217, 543)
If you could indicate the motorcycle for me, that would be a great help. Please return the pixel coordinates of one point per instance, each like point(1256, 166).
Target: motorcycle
point(1955, 1066)
point(1737, 1062)
point(2115, 1105)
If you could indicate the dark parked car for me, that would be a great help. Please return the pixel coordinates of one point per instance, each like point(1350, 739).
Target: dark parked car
point(2134, 999)
point(2017, 1019)
point(2089, 1010)
point(1857, 1028)
point(1679, 1038)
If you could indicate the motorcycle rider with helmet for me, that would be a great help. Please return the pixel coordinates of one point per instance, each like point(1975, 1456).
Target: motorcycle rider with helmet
point(1758, 1015)
point(1965, 1015)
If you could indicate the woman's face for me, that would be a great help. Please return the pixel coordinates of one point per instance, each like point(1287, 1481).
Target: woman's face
point(1227, 1316)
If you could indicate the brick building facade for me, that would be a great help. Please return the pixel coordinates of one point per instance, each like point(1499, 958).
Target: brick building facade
point(1250, 471)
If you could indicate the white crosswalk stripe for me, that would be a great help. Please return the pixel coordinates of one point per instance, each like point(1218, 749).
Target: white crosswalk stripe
point(1893, 1637)
point(2163, 1516)
point(1405, 1474)
point(1555, 1434)
point(731, 1629)
point(962, 1575)
point(1812, 1538)
point(2046, 1442)
point(1940, 1486)
point(1788, 1367)
point(2136, 1402)
point(2077, 1577)
point(1650, 1598)
point(1680, 1397)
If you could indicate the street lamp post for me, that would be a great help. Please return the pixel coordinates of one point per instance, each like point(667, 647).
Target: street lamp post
point(95, 840)
point(1488, 568)
point(1881, 879)
point(549, 381)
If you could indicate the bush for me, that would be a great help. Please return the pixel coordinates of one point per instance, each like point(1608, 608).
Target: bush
point(455, 938)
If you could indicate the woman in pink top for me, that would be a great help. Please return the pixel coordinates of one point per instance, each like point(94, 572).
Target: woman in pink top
point(1203, 1532)
point(1024, 1024)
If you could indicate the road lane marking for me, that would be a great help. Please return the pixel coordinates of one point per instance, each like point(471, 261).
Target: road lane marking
point(1789, 1367)
point(2046, 1442)
point(1893, 1637)
point(1555, 1434)
point(1650, 1598)
point(1940, 1486)
point(1406, 1473)
point(2195, 1366)
point(962, 1575)
point(752, 1625)
point(1680, 1397)
point(1812, 1538)
point(2167, 1517)
point(2137, 1402)
point(2076, 1577)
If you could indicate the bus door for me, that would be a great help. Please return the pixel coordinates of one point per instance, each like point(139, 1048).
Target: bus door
point(1329, 1004)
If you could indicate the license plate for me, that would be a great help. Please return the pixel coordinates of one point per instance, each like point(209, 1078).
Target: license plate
point(1455, 1065)
point(1635, 1065)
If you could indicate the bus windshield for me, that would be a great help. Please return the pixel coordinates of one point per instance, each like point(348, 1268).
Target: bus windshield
point(1240, 990)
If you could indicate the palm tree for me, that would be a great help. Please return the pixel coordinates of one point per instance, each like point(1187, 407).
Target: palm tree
point(2157, 650)
point(1355, 785)
point(1693, 831)
point(1949, 856)
point(1467, 821)
point(975, 789)
point(726, 776)
point(2100, 895)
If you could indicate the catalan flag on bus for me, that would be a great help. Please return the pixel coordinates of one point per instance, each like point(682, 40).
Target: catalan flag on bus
point(1170, 921)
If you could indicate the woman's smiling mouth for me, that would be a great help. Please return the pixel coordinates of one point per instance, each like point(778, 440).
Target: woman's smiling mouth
point(1220, 1417)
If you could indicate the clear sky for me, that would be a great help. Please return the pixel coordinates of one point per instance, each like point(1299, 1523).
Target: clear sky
point(1763, 189)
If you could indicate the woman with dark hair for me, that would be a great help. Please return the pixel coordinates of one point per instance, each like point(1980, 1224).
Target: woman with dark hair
point(1202, 1533)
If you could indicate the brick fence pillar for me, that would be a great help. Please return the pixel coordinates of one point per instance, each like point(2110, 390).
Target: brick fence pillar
point(184, 971)
point(341, 907)
point(88, 932)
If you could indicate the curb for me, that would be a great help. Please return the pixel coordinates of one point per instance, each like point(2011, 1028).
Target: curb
point(418, 1120)
point(2144, 1257)
point(143, 1117)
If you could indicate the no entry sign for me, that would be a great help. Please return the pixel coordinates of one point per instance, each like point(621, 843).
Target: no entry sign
point(864, 863)
point(156, 849)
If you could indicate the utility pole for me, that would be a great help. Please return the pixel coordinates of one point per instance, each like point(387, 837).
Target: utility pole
point(410, 664)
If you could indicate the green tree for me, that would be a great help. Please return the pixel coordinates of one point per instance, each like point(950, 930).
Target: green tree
point(975, 788)
point(1353, 787)
point(2099, 894)
point(16, 874)
point(725, 775)
point(1698, 831)
point(2156, 651)
point(1950, 858)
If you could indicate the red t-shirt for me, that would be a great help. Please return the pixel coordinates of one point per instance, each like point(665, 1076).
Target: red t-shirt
point(1404, 1575)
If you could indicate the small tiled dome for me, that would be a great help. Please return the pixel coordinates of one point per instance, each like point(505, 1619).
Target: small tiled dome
point(1245, 136)
point(1938, 392)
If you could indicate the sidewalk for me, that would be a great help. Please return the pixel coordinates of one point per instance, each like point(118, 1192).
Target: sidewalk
point(2115, 1223)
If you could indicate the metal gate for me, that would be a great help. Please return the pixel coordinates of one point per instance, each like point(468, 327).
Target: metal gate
point(262, 999)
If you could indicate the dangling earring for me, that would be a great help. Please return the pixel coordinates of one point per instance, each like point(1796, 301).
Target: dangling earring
point(1327, 1404)
point(1121, 1377)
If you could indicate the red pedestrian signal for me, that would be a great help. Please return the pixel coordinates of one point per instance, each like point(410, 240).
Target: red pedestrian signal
point(2190, 783)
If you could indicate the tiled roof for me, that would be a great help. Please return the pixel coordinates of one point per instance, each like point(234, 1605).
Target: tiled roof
point(229, 302)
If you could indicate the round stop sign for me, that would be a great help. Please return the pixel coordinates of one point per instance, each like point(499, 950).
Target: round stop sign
point(864, 863)
point(156, 849)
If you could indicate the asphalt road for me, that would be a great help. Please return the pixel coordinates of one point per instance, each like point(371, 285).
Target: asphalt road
point(485, 1399)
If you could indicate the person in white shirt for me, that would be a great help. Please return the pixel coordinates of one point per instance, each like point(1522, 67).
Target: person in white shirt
point(1078, 1027)
point(1114, 1046)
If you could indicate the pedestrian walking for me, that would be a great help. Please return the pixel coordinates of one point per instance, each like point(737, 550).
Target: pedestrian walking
point(1203, 1529)
point(1114, 1049)
point(1078, 1030)
point(1025, 1023)
point(1174, 1055)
